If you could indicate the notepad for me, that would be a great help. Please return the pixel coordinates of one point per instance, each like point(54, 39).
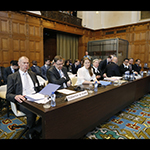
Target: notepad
point(66, 91)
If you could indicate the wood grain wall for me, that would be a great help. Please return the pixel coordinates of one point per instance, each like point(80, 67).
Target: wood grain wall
point(138, 36)
point(22, 34)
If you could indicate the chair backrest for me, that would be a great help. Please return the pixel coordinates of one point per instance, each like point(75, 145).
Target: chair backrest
point(3, 90)
point(41, 80)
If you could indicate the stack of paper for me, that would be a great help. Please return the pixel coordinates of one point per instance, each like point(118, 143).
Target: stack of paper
point(40, 97)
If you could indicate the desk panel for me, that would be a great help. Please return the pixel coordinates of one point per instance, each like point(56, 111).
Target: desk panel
point(75, 118)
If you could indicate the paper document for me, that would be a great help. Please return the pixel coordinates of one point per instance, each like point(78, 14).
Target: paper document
point(66, 91)
point(114, 78)
point(43, 101)
point(47, 90)
point(35, 97)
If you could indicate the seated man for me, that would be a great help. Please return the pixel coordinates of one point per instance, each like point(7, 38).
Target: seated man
point(36, 68)
point(19, 84)
point(124, 67)
point(137, 66)
point(45, 68)
point(96, 70)
point(57, 74)
point(103, 64)
point(112, 69)
point(75, 66)
point(11, 69)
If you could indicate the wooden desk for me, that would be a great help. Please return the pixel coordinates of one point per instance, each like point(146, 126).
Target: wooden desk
point(75, 118)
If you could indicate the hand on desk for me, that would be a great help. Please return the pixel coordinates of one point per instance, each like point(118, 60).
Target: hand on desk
point(20, 98)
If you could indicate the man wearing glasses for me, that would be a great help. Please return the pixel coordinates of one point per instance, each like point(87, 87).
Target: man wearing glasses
point(57, 74)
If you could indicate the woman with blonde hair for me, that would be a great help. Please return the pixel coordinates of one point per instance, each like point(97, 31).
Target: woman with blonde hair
point(85, 74)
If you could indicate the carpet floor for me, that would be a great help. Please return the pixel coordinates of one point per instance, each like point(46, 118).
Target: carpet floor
point(6, 131)
point(133, 122)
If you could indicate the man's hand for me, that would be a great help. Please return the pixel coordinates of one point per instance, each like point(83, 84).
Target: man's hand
point(20, 98)
point(69, 83)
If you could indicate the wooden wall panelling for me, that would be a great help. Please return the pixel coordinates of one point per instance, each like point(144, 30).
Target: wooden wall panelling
point(4, 40)
point(22, 34)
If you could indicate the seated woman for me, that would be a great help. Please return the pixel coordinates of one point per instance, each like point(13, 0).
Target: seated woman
point(85, 74)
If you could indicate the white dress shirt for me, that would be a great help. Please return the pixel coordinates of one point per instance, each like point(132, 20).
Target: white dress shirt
point(125, 66)
point(62, 76)
point(28, 87)
point(83, 75)
point(12, 69)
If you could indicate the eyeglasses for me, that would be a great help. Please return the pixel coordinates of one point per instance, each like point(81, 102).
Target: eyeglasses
point(59, 64)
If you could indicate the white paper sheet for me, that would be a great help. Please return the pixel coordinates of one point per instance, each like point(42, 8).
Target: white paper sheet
point(43, 101)
point(114, 78)
point(35, 97)
point(66, 91)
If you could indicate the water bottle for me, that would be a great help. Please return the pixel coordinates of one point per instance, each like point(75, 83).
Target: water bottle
point(126, 76)
point(53, 96)
point(95, 86)
point(131, 77)
point(142, 73)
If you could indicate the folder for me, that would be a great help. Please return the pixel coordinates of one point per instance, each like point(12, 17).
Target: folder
point(47, 90)
point(105, 83)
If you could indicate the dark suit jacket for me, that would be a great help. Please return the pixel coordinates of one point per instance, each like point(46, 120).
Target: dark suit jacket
point(122, 69)
point(102, 65)
point(53, 76)
point(74, 70)
point(43, 72)
point(136, 68)
point(36, 70)
point(14, 85)
point(112, 70)
point(100, 73)
point(7, 72)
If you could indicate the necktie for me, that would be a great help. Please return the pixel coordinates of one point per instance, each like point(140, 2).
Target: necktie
point(27, 90)
point(62, 75)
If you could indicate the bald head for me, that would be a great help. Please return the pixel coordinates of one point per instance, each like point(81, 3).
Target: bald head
point(23, 63)
point(115, 59)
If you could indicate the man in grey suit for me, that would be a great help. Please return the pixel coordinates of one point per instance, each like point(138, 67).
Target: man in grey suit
point(57, 74)
point(21, 83)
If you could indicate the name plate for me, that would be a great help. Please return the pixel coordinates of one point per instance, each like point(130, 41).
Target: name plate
point(77, 95)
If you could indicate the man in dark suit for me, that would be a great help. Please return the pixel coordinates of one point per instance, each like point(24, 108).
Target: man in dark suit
point(11, 69)
point(112, 69)
point(104, 63)
point(75, 66)
point(96, 70)
point(137, 66)
point(44, 68)
point(36, 69)
point(124, 67)
point(57, 74)
point(21, 83)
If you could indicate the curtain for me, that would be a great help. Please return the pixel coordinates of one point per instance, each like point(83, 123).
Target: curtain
point(67, 46)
